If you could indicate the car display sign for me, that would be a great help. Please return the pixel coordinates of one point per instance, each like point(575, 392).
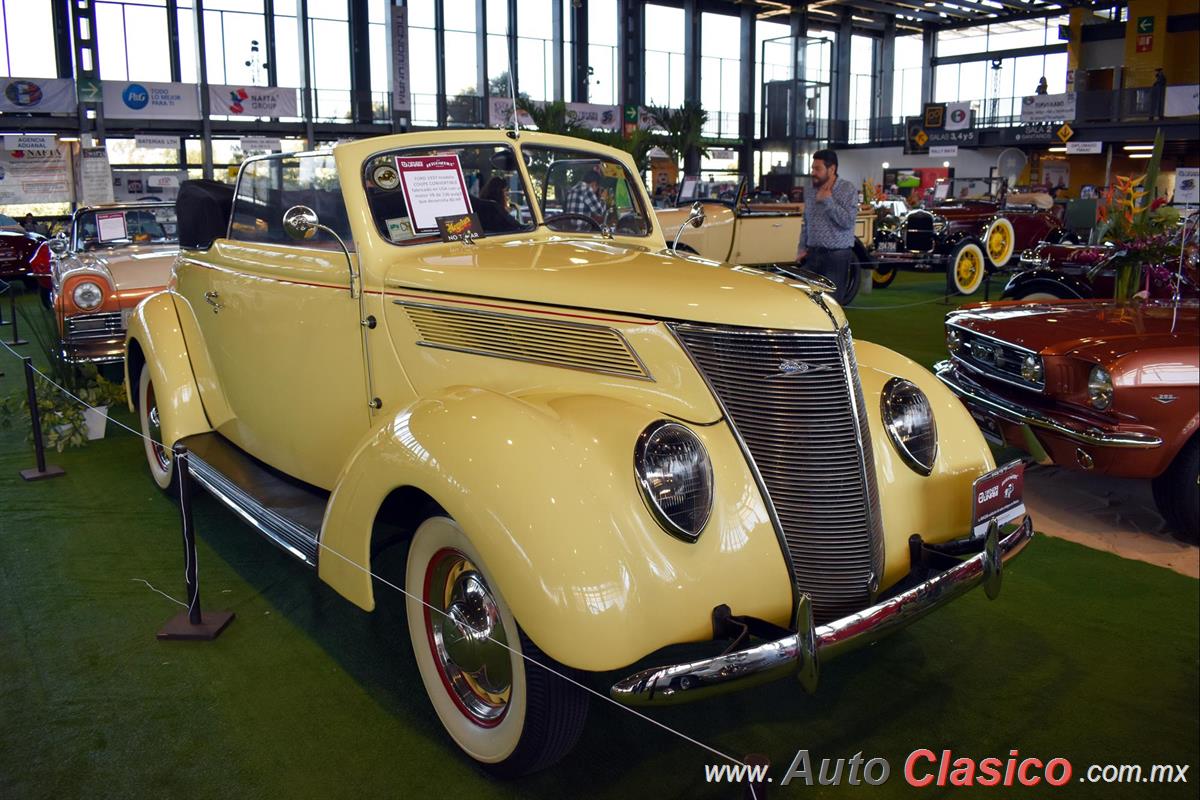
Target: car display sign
point(997, 496)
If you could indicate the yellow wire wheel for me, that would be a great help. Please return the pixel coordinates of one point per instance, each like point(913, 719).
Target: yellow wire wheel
point(966, 268)
point(883, 275)
point(1000, 241)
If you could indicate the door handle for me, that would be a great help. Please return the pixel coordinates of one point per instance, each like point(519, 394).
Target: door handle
point(211, 299)
point(776, 224)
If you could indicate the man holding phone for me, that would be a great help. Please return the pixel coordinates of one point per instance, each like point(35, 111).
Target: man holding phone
point(827, 239)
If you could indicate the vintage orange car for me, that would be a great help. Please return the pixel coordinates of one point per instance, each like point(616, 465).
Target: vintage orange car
point(1100, 386)
point(115, 257)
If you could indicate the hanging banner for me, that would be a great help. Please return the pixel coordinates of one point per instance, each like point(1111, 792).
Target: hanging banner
point(95, 177)
point(37, 95)
point(1048, 108)
point(1187, 185)
point(36, 141)
point(145, 141)
point(147, 100)
point(252, 101)
point(35, 176)
point(1182, 101)
point(593, 116)
point(500, 110)
point(646, 121)
point(401, 98)
point(958, 116)
point(129, 185)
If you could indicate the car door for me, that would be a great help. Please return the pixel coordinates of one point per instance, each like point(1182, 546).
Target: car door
point(766, 237)
point(278, 325)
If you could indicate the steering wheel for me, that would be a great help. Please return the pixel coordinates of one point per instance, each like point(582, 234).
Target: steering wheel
point(572, 215)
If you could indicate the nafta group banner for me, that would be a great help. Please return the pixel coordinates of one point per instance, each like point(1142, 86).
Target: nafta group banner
point(252, 101)
point(146, 100)
point(37, 95)
point(1048, 108)
point(589, 115)
point(35, 176)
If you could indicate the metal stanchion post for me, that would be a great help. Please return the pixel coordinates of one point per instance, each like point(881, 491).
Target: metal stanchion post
point(42, 471)
point(12, 308)
point(191, 624)
point(5, 286)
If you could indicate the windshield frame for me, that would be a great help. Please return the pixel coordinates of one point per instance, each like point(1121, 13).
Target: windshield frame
point(77, 245)
point(424, 149)
point(632, 180)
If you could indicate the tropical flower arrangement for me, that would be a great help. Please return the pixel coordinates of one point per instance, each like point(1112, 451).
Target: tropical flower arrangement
point(1140, 227)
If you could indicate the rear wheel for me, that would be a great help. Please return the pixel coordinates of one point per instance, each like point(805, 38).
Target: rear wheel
point(999, 239)
point(158, 456)
point(966, 268)
point(1038, 297)
point(883, 275)
point(506, 712)
point(1177, 492)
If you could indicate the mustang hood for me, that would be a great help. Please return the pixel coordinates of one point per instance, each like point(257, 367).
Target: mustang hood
point(608, 276)
point(1086, 326)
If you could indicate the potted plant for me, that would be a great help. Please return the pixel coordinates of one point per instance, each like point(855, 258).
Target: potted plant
point(66, 421)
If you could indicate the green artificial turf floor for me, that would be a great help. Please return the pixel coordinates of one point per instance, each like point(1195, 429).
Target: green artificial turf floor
point(1084, 656)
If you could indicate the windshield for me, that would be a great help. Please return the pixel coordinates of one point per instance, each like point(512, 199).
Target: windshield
point(579, 191)
point(409, 189)
point(117, 227)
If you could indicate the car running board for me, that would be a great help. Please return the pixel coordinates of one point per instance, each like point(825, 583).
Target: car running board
point(286, 511)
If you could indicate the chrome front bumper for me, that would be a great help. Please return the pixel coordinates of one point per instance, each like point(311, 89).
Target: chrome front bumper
point(801, 653)
point(985, 399)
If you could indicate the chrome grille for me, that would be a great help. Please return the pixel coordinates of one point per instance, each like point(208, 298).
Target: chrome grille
point(918, 231)
point(796, 403)
point(994, 357)
point(94, 326)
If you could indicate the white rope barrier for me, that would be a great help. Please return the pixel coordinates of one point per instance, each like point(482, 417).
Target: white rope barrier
point(407, 594)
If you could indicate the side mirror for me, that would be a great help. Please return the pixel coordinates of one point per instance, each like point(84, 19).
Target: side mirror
point(300, 222)
point(57, 245)
point(696, 217)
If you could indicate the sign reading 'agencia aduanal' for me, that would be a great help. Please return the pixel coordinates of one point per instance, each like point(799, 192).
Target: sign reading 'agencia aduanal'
point(146, 100)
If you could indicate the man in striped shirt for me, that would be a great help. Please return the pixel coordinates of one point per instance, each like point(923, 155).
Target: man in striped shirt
point(827, 238)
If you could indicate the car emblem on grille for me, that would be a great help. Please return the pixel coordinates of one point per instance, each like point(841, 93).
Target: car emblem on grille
point(790, 366)
point(1165, 399)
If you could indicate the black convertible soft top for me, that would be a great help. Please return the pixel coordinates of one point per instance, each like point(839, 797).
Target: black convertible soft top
point(202, 210)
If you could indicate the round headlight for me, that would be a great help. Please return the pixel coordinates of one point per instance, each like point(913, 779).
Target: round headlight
point(675, 474)
point(87, 296)
point(1031, 368)
point(953, 340)
point(908, 418)
point(1100, 388)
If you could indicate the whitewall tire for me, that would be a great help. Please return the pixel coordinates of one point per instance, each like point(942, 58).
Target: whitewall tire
point(158, 457)
point(501, 710)
point(966, 268)
point(999, 240)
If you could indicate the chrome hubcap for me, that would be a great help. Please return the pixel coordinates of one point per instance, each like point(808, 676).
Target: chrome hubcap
point(155, 426)
point(467, 638)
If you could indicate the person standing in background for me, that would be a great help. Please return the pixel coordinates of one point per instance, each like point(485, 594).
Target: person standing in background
point(827, 238)
point(1043, 87)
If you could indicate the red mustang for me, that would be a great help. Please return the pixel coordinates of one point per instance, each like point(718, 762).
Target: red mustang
point(1101, 386)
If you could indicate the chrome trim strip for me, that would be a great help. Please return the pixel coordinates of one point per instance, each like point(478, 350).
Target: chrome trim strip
point(800, 653)
point(550, 324)
point(995, 339)
point(1011, 412)
point(1028, 387)
point(292, 538)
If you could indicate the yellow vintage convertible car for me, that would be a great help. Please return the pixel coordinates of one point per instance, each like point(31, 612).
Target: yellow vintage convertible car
point(593, 448)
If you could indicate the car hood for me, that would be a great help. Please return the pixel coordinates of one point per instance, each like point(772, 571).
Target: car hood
point(615, 277)
point(1098, 330)
point(136, 267)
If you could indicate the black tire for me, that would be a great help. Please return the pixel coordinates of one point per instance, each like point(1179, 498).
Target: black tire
point(883, 275)
point(1177, 492)
point(855, 278)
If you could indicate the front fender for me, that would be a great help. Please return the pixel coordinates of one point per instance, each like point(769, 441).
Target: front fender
point(154, 334)
point(937, 507)
point(545, 489)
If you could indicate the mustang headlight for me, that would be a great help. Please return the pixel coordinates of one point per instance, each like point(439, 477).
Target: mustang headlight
point(87, 296)
point(675, 474)
point(1100, 388)
point(1031, 368)
point(908, 418)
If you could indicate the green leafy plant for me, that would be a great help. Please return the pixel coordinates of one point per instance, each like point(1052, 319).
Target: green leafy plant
point(681, 129)
point(63, 423)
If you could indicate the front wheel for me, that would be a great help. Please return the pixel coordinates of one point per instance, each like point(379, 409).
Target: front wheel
point(1177, 492)
point(158, 457)
point(966, 268)
point(883, 275)
point(509, 714)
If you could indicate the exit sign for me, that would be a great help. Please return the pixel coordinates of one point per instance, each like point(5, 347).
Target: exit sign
point(1145, 25)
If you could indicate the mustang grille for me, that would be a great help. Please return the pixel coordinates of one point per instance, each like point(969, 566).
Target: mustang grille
point(571, 345)
point(994, 358)
point(796, 403)
point(95, 326)
point(918, 231)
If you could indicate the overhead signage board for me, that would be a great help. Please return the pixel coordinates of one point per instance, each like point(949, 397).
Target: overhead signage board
point(943, 150)
point(144, 141)
point(1048, 108)
point(967, 138)
point(1084, 148)
point(37, 95)
point(252, 101)
point(261, 144)
point(146, 100)
point(37, 141)
point(916, 140)
point(958, 116)
point(1036, 133)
